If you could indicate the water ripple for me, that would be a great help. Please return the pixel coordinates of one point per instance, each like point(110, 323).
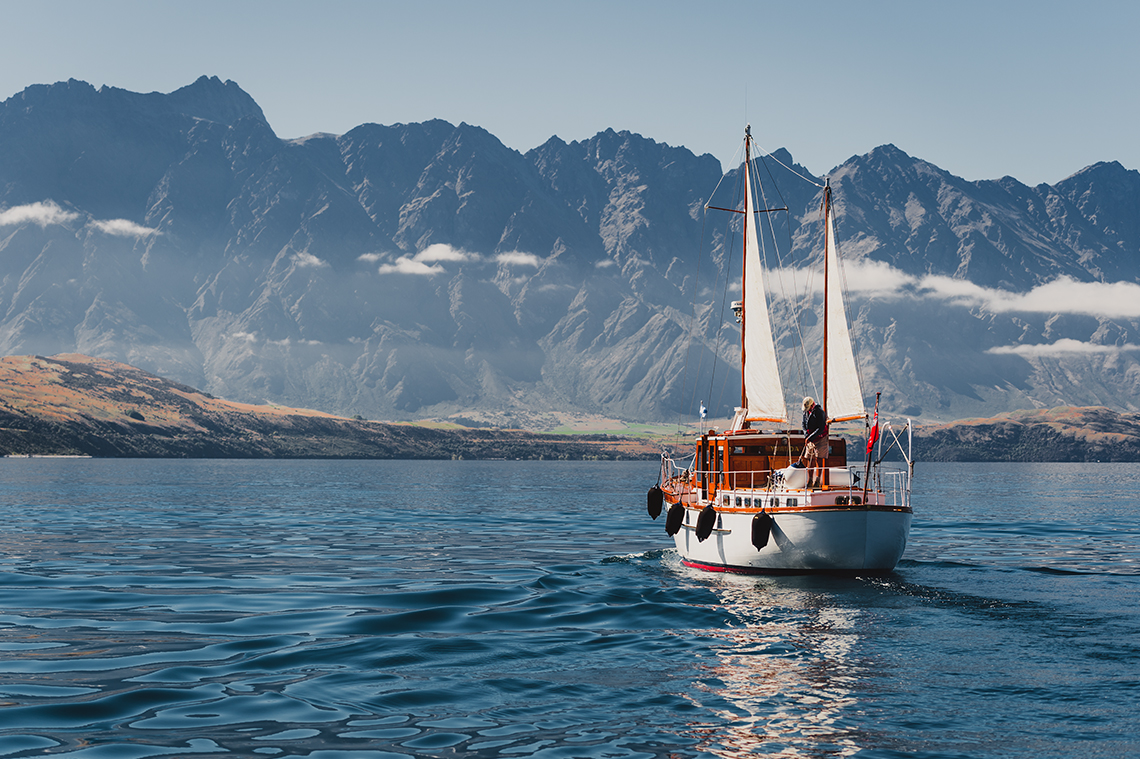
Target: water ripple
point(276, 609)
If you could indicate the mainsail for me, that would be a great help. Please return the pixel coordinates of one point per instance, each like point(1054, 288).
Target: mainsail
point(763, 393)
point(843, 395)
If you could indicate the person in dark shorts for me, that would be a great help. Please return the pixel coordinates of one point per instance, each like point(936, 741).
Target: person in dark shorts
point(816, 448)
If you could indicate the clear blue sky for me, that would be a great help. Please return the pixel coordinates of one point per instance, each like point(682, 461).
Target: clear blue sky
point(1036, 90)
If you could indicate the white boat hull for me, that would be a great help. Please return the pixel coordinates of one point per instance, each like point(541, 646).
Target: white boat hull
point(816, 539)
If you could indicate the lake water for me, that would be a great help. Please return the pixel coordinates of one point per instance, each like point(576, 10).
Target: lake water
point(532, 609)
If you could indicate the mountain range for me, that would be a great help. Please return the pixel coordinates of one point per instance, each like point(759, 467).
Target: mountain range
point(428, 271)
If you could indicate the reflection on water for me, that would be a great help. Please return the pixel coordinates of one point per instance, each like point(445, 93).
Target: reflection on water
point(781, 678)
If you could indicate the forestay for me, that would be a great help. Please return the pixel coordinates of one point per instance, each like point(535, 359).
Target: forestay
point(763, 392)
point(844, 395)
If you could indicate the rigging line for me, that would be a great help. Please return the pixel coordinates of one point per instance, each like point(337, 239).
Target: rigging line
point(692, 328)
point(724, 388)
point(846, 305)
point(728, 238)
point(788, 297)
point(767, 270)
point(695, 295)
point(801, 309)
point(775, 184)
point(809, 180)
point(724, 175)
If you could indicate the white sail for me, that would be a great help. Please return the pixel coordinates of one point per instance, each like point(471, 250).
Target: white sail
point(844, 395)
point(762, 389)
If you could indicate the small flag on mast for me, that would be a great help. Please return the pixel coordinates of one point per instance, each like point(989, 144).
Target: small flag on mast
point(874, 436)
point(704, 411)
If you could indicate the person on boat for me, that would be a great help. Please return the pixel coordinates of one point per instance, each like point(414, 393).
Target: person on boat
point(816, 447)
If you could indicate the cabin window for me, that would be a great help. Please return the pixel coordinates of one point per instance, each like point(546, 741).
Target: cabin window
point(747, 501)
point(792, 502)
point(739, 501)
point(738, 450)
point(727, 501)
point(775, 503)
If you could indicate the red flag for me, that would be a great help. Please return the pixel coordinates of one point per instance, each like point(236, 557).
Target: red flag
point(874, 434)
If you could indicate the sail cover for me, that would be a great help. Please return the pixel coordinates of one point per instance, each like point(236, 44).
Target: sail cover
point(844, 396)
point(764, 395)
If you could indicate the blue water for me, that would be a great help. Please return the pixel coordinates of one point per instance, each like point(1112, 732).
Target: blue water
point(532, 609)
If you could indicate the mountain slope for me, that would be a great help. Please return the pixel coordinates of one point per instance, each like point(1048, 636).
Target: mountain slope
point(76, 405)
point(1060, 434)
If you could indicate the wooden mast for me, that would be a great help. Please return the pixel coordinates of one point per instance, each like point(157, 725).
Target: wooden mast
point(826, 290)
point(744, 266)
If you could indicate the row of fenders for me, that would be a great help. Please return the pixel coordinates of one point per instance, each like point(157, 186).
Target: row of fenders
point(706, 521)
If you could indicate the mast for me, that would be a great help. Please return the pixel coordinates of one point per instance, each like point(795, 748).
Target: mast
point(744, 256)
point(761, 393)
point(826, 272)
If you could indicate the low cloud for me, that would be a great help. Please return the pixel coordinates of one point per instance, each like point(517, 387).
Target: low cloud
point(123, 228)
point(287, 342)
point(1064, 295)
point(605, 263)
point(306, 259)
point(1064, 346)
point(518, 258)
point(44, 213)
point(406, 265)
point(248, 337)
point(48, 213)
point(442, 252)
point(370, 257)
point(419, 263)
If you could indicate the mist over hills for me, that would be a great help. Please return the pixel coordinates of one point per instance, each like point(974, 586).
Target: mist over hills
point(426, 270)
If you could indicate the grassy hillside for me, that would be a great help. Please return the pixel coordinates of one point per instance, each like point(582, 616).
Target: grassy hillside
point(1067, 433)
point(72, 404)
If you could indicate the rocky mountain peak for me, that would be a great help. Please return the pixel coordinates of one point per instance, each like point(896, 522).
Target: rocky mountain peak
point(215, 100)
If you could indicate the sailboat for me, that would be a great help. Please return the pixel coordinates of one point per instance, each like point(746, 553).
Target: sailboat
point(741, 503)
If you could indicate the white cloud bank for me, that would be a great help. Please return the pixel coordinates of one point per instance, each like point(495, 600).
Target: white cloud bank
point(1064, 346)
point(430, 260)
point(1064, 295)
point(305, 259)
point(518, 258)
point(442, 252)
point(48, 212)
point(45, 213)
point(419, 263)
point(123, 228)
point(406, 265)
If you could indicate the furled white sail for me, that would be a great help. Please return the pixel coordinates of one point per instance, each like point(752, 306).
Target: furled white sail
point(762, 389)
point(844, 395)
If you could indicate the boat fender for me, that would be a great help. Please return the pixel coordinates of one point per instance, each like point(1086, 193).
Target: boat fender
point(705, 523)
point(674, 519)
point(653, 500)
point(761, 529)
